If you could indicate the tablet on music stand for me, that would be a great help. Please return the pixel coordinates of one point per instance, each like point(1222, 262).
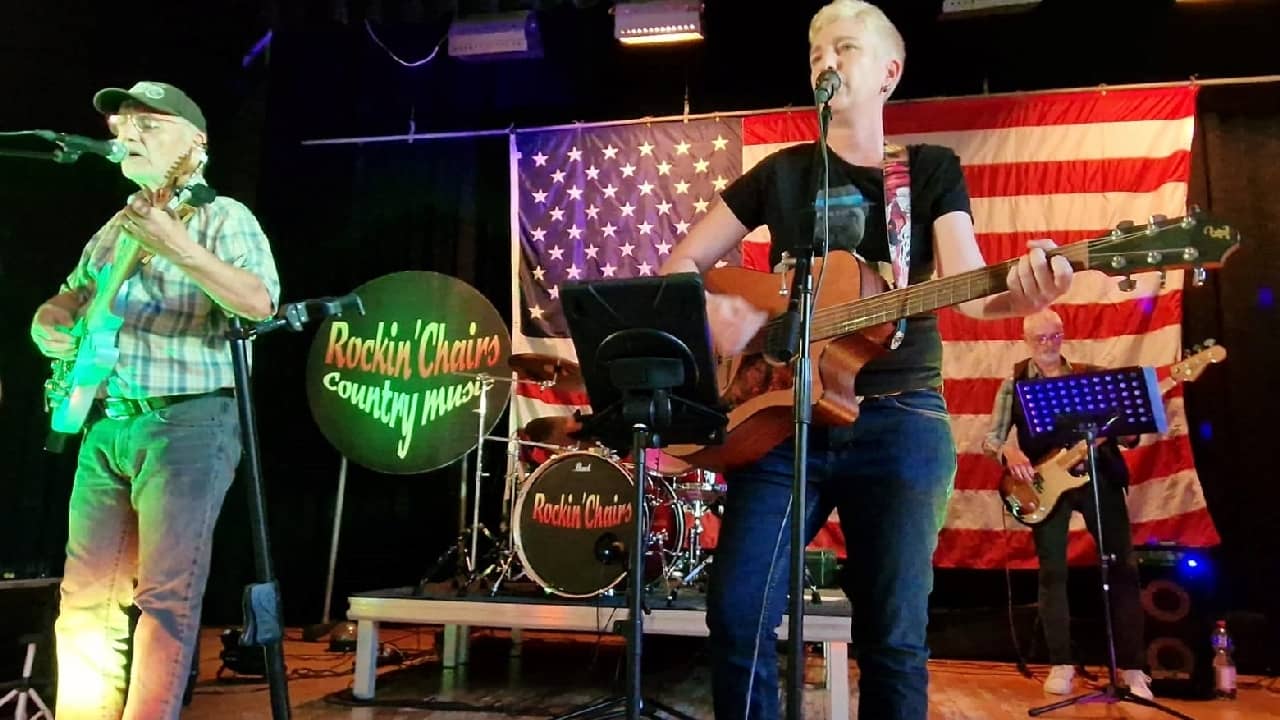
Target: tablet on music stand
point(619, 327)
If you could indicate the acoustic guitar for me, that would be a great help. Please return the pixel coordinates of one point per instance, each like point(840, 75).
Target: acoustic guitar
point(854, 316)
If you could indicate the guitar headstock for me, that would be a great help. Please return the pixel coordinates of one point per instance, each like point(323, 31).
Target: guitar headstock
point(1191, 368)
point(179, 177)
point(1193, 241)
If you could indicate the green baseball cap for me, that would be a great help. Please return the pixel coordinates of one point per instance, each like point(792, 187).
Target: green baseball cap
point(155, 95)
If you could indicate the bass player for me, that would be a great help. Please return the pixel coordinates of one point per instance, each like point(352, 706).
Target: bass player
point(1008, 443)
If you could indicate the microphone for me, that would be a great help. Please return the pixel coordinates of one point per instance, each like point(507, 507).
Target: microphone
point(112, 150)
point(609, 549)
point(827, 85)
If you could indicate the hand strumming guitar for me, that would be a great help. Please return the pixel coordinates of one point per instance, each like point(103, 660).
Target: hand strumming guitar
point(51, 326)
point(733, 322)
point(1017, 462)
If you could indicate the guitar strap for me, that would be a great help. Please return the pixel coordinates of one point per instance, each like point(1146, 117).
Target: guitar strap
point(897, 211)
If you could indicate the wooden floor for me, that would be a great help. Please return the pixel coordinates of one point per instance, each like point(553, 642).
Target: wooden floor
point(557, 671)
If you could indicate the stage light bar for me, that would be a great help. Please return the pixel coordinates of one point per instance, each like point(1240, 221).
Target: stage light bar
point(965, 7)
point(496, 37)
point(657, 22)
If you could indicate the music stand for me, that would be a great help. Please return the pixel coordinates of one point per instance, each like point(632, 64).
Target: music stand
point(645, 352)
point(1088, 406)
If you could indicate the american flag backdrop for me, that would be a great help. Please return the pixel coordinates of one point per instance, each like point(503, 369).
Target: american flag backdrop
point(611, 201)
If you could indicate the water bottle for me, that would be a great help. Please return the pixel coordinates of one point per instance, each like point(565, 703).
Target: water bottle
point(1224, 668)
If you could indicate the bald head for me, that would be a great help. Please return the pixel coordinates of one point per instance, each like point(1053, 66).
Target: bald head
point(1044, 322)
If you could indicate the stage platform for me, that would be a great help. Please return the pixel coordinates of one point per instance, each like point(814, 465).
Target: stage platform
point(826, 622)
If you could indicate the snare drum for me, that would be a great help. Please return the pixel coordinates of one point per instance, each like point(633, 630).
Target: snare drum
point(574, 520)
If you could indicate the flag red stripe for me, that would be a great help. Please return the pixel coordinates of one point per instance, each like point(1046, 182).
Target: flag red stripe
point(1136, 175)
point(1157, 460)
point(925, 116)
point(998, 247)
point(1102, 320)
point(991, 548)
point(552, 395)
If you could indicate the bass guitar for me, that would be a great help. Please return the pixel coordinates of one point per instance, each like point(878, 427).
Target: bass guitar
point(854, 316)
point(73, 384)
point(1031, 502)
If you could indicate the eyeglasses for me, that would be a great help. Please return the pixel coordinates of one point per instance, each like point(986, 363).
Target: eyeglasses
point(141, 122)
point(1045, 339)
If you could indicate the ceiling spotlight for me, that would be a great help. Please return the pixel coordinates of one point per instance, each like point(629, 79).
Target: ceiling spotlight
point(496, 37)
point(657, 22)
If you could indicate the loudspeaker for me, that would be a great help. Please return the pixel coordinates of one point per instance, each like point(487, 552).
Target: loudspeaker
point(1177, 596)
point(28, 608)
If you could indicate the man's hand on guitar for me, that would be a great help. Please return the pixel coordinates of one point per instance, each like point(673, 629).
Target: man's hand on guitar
point(51, 331)
point(1037, 280)
point(733, 321)
point(154, 228)
point(1018, 464)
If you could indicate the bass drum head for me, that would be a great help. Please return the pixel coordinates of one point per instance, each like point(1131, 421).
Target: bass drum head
point(569, 514)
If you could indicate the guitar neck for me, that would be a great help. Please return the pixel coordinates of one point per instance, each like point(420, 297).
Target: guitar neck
point(124, 259)
point(889, 306)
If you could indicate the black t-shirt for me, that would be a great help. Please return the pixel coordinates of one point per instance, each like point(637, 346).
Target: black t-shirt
point(781, 191)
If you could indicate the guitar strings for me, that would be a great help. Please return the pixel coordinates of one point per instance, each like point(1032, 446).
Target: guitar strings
point(832, 320)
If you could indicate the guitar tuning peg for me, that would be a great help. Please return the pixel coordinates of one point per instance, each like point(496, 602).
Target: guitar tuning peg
point(1198, 276)
point(1193, 210)
point(1124, 225)
point(1162, 278)
point(1156, 219)
point(1127, 284)
point(1210, 342)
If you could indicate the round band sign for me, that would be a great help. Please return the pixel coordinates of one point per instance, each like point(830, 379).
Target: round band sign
point(398, 389)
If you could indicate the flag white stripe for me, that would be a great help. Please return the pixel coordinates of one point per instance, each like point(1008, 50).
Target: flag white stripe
point(1041, 143)
point(1156, 499)
point(1075, 211)
point(996, 358)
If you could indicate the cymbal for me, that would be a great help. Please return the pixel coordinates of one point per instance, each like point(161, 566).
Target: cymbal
point(546, 368)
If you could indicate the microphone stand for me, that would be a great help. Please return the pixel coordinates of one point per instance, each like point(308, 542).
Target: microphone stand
point(59, 154)
point(262, 603)
point(801, 310)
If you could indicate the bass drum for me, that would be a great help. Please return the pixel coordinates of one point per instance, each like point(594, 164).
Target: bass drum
point(573, 520)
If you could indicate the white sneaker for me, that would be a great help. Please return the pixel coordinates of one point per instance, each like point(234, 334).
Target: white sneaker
point(1060, 679)
point(1138, 682)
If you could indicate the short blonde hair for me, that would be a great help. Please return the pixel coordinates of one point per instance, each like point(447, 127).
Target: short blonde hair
point(873, 17)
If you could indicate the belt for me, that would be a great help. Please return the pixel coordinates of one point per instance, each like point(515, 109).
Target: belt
point(122, 408)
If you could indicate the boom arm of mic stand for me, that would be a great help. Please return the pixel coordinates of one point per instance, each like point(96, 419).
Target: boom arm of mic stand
point(295, 316)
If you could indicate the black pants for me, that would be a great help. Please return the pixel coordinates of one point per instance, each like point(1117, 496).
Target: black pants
point(1051, 547)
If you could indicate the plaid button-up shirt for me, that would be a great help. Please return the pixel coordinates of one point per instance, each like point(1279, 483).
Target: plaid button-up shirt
point(1002, 410)
point(173, 341)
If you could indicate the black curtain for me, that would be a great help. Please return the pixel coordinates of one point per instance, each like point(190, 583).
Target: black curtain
point(341, 216)
point(1231, 408)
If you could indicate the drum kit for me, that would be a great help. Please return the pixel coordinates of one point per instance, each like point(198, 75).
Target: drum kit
point(568, 507)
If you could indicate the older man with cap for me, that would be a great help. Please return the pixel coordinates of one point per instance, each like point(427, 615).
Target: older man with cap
point(161, 446)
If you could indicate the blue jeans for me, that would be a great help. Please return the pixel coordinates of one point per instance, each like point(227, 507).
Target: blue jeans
point(889, 475)
point(147, 493)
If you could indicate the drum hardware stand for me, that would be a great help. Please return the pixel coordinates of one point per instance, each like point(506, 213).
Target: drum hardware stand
point(1091, 417)
point(465, 550)
point(23, 692)
point(646, 382)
